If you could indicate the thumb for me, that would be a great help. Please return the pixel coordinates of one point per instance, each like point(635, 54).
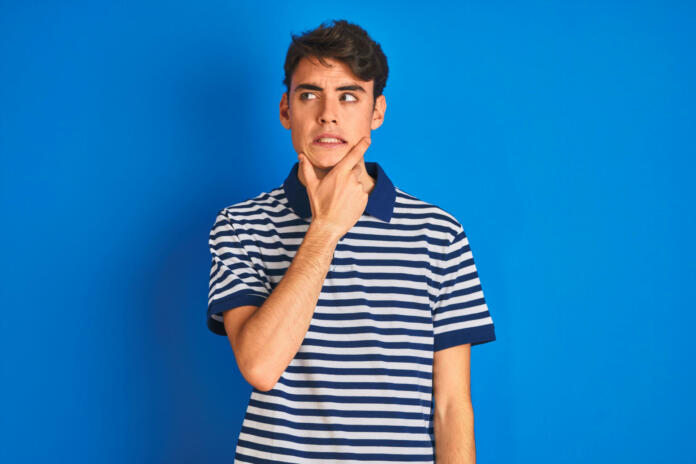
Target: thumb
point(308, 172)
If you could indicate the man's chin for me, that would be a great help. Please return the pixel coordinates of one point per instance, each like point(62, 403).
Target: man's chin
point(326, 161)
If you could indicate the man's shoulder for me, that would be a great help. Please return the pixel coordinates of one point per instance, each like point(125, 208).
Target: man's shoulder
point(409, 206)
point(264, 202)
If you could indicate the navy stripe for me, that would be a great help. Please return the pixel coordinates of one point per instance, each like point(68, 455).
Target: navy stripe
point(343, 456)
point(372, 371)
point(355, 386)
point(363, 357)
point(335, 427)
point(391, 317)
point(370, 329)
point(336, 412)
point(349, 399)
point(473, 335)
point(240, 457)
point(309, 341)
point(457, 306)
point(334, 441)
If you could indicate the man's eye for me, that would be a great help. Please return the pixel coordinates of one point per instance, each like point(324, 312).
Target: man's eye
point(349, 97)
point(307, 96)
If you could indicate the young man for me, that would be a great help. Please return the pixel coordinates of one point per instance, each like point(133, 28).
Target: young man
point(350, 305)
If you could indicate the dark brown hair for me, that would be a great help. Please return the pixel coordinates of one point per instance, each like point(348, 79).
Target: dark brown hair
point(344, 42)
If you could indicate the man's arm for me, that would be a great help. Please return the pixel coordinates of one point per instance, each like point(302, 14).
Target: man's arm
point(266, 339)
point(454, 413)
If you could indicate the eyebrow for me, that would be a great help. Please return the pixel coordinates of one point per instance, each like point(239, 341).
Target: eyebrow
point(316, 87)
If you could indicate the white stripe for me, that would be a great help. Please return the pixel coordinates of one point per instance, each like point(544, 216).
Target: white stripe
point(369, 407)
point(442, 316)
point(358, 379)
point(357, 392)
point(332, 434)
point(376, 364)
point(298, 460)
point(372, 323)
point(396, 421)
point(464, 325)
point(369, 336)
point(462, 298)
point(381, 297)
point(424, 354)
point(378, 449)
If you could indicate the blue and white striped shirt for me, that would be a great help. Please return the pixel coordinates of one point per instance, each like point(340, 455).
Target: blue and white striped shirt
point(402, 284)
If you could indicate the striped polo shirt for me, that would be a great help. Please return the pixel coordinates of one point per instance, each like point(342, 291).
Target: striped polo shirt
point(402, 284)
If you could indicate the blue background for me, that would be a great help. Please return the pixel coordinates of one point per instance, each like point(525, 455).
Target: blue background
point(561, 135)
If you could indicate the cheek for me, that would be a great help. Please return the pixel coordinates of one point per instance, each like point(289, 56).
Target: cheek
point(364, 122)
point(366, 115)
point(301, 119)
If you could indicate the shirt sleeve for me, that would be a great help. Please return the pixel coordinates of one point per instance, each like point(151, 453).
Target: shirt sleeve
point(460, 313)
point(235, 280)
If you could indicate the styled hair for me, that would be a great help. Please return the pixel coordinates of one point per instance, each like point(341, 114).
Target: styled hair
point(342, 41)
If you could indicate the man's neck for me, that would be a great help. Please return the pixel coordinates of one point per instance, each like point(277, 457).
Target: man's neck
point(366, 179)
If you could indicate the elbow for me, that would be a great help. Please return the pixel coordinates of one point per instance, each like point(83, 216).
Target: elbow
point(258, 377)
point(263, 384)
point(255, 372)
point(252, 366)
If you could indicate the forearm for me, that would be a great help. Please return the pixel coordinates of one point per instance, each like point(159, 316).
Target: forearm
point(454, 434)
point(274, 333)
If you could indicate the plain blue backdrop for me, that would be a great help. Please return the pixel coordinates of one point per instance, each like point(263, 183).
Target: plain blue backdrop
point(560, 134)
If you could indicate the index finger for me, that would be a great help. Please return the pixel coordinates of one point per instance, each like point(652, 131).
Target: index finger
point(353, 156)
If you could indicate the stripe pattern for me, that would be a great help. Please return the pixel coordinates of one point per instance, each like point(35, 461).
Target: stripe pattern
point(402, 284)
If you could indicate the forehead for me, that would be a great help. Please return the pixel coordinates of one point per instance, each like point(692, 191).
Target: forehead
point(310, 71)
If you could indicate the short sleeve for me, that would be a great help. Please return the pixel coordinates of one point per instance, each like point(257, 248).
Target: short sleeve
point(235, 280)
point(460, 313)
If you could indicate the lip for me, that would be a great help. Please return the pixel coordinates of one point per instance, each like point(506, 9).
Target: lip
point(328, 145)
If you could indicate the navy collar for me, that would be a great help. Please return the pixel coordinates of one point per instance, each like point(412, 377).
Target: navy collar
point(380, 203)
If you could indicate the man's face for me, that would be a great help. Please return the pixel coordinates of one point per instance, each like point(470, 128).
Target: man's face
point(325, 102)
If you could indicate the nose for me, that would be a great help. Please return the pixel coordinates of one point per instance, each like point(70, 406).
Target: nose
point(328, 112)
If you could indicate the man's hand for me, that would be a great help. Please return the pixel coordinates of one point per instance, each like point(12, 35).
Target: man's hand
point(339, 199)
point(266, 338)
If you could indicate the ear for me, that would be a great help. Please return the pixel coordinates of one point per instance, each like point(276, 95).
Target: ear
point(378, 112)
point(285, 111)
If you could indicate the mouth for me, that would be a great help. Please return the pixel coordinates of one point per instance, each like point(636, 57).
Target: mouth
point(329, 141)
